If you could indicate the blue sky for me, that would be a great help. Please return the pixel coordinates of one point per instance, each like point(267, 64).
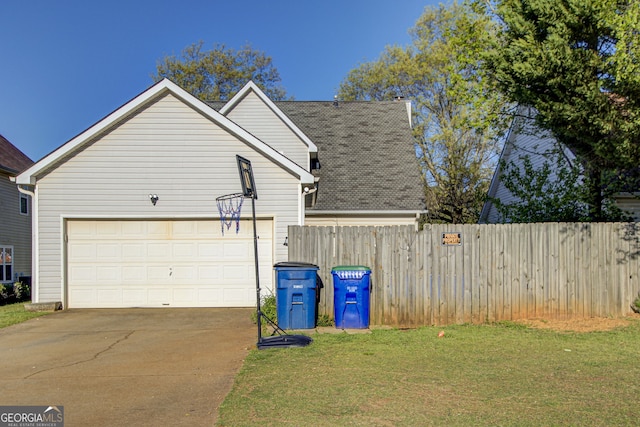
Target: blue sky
point(65, 64)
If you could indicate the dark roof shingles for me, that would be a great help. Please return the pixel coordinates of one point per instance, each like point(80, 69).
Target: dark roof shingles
point(366, 152)
point(11, 159)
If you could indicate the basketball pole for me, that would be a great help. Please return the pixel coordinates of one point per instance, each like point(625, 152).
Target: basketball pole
point(284, 340)
point(257, 268)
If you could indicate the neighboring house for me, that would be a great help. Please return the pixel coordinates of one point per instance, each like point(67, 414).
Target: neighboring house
point(526, 139)
point(15, 211)
point(101, 242)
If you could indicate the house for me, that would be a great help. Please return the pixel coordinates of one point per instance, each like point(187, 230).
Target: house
point(15, 210)
point(125, 213)
point(526, 139)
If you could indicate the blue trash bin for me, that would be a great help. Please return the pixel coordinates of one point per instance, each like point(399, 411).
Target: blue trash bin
point(351, 285)
point(296, 301)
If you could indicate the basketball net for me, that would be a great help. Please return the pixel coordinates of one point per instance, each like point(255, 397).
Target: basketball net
point(229, 207)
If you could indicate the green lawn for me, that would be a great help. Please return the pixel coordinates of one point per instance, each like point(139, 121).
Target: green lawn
point(507, 375)
point(15, 313)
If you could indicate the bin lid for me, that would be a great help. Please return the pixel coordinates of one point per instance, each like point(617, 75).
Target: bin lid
point(350, 268)
point(295, 264)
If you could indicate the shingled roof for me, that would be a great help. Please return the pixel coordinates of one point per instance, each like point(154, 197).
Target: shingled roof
point(366, 152)
point(12, 160)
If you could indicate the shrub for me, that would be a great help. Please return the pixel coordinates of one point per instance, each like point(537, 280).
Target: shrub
point(10, 293)
point(325, 320)
point(268, 308)
point(6, 294)
point(21, 291)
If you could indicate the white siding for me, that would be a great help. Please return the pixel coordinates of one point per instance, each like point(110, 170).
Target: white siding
point(364, 220)
point(256, 117)
point(629, 203)
point(166, 149)
point(16, 228)
point(531, 142)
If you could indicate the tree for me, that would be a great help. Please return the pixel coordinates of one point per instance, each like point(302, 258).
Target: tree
point(552, 192)
point(457, 115)
point(220, 73)
point(577, 62)
point(548, 193)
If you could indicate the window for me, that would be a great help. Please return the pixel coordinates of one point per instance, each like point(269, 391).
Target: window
point(24, 204)
point(6, 259)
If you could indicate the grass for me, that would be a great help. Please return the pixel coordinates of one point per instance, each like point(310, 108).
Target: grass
point(491, 375)
point(15, 313)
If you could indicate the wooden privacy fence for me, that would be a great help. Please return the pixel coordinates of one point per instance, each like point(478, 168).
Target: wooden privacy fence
point(477, 273)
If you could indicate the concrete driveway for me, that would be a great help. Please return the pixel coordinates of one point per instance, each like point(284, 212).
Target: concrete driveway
point(142, 367)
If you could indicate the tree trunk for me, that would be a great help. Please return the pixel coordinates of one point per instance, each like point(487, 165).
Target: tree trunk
point(594, 185)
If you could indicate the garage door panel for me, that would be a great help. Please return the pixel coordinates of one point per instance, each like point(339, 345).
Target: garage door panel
point(158, 230)
point(109, 274)
point(134, 273)
point(85, 229)
point(208, 229)
point(209, 251)
point(83, 273)
point(83, 297)
point(184, 296)
point(110, 297)
point(235, 250)
point(134, 297)
point(210, 296)
point(159, 273)
point(186, 250)
point(235, 273)
point(82, 251)
point(133, 251)
point(107, 229)
point(134, 263)
point(184, 272)
point(233, 296)
point(157, 251)
point(209, 273)
point(108, 251)
point(133, 229)
point(159, 296)
point(184, 230)
point(264, 247)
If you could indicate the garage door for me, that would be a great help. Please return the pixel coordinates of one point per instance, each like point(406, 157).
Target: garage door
point(173, 263)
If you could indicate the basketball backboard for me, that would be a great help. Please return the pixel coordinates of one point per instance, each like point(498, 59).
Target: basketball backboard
point(246, 178)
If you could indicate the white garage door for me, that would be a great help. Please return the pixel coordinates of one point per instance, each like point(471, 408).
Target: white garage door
point(172, 263)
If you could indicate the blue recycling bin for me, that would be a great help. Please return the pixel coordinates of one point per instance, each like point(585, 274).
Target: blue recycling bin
point(296, 301)
point(351, 284)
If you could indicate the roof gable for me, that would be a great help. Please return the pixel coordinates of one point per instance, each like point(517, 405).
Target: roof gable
point(12, 160)
point(251, 87)
point(160, 89)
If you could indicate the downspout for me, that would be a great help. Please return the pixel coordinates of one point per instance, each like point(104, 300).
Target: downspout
point(35, 297)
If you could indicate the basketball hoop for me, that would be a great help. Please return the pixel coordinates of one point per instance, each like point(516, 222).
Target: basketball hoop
point(229, 207)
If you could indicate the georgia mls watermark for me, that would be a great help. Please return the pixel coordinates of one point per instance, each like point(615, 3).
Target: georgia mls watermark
point(31, 416)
